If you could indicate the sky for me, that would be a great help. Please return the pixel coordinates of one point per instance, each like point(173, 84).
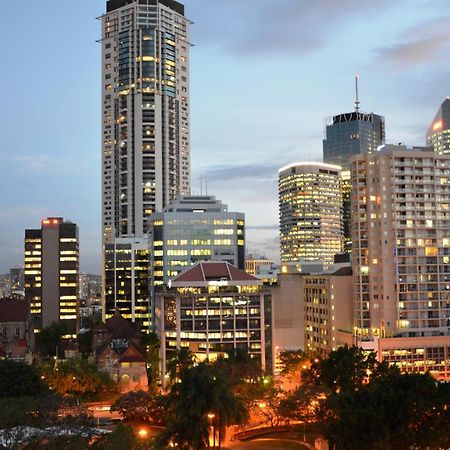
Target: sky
point(264, 76)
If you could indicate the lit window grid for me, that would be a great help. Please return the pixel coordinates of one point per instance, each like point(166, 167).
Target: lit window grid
point(311, 225)
point(422, 298)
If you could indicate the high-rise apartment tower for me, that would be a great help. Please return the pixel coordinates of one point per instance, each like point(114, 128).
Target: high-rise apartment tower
point(52, 274)
point(145, 104)
point(401, 243)
point(310, 202)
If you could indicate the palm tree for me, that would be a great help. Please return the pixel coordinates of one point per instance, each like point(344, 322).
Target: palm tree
point(202, 391)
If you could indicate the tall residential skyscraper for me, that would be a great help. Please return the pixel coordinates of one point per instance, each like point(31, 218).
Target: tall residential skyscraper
point(145, 104)
point(310, 202)
point(401, 243)
point(52, 273)
point(438, 134)
point(193, 229)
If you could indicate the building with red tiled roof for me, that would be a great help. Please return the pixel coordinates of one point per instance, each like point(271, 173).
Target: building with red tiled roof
point(14, 327)
point(214, 308)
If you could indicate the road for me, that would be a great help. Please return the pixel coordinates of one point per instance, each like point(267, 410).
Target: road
point(268, 444)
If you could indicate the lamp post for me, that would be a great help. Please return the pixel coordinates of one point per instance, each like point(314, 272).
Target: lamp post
point(211, 417)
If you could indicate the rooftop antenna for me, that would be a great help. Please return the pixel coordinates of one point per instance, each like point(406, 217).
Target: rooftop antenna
point(357, 93)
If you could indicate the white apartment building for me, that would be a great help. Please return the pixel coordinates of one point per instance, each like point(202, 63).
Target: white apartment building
point(145, 106)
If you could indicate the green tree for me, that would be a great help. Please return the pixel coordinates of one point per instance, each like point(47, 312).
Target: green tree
point(201, 400)
point(122, 438)
point(140, 405)
point(76, 442)
point(292, 361)
point(151, 343)
point(182, 359)
point(77, 378)
point(19, 379)
point(49, 339)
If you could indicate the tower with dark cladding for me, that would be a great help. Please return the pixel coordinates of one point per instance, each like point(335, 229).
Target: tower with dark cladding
point(438, 134)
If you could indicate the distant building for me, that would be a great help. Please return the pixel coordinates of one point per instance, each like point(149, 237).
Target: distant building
point(310, 210)
point(16, 280)
point(438, 134)
point(212, 309)
point(194, 229)
point(350, 134)
point(14, 328)
point(118, 351)
point(126, 281)
point(253, 266)
point(52, 274)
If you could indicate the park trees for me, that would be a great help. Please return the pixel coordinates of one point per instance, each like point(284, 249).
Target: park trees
point(202, 397)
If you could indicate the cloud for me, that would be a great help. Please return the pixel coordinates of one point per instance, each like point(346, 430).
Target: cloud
point(262, 227)
point(420, 45)
point(284, 27)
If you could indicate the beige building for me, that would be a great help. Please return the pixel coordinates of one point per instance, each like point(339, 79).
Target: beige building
point(401, 243)
point(310, 202)
point(328, 305)
point(401, 256)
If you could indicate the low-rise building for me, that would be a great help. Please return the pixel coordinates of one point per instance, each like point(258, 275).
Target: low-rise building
point(14, 328)
point(118, 351)
point(212, 309)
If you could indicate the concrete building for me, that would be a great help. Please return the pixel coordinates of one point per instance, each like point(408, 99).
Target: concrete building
point(193, 229)
point(438, 134)
point(310, 209)
point(146, 125)
point(16, 280)
point(328, 305)
point(145, 104)
point(126, 277)
point(212, 309)
point(51, 274)
point(401, 243)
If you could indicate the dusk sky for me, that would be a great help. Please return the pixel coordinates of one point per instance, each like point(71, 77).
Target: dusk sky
point(264, 76)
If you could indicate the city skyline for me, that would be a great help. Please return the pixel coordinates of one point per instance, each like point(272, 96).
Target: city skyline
point(52, 127)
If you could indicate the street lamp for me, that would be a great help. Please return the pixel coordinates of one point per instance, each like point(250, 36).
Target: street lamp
point(211, 417)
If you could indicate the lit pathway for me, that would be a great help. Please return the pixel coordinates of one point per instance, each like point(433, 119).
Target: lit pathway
point(269, 444)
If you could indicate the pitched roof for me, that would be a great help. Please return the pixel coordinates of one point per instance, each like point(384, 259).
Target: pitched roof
point(205, 273)
point(121, 328)
point(132, 354)
point(14, 310)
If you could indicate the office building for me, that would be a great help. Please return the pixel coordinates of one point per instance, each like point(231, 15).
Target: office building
point(145, 104)
point(401, 243)
point(438, 134)
point(349, 134)
point(126, 281)
point(51, 274)
point(194, 229)
point(310, 202)
point(212, 309)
